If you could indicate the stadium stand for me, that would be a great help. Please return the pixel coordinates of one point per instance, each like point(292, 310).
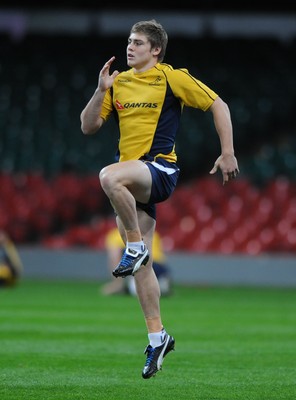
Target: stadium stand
point(49, 183)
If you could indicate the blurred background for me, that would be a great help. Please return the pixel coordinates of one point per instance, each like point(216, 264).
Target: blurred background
point(51, 204)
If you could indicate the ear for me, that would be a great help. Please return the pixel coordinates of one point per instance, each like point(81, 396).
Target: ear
point(156, 51)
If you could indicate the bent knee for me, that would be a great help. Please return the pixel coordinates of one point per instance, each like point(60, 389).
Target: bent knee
point(109, 178)
point(105, 177)
point(103, 174)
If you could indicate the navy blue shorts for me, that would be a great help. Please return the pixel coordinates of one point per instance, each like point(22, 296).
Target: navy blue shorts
point(164, 180)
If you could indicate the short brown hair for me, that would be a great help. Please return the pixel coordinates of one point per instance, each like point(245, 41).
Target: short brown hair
point(155, 34)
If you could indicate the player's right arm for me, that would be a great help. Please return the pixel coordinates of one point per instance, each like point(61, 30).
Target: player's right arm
point(90, 117)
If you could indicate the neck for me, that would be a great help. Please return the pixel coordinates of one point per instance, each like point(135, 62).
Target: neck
point(146, 67)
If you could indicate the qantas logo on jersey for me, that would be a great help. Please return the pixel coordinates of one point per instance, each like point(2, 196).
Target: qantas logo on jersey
point(119, 106)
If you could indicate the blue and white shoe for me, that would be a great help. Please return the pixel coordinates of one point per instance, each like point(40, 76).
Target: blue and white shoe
point(155, 356)
point(131, 262)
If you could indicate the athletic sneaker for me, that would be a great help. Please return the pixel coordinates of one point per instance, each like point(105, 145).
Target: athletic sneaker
point(131, 262)
point(155, 356)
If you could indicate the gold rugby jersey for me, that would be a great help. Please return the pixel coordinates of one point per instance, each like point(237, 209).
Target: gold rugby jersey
point(148, 107)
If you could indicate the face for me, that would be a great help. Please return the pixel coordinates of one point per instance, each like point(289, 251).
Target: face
point(140, 56)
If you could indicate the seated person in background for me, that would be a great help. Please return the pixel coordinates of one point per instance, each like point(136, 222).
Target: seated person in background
point(115, 246)
point(10, 263)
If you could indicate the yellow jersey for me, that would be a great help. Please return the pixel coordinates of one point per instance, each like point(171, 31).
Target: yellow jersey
point(148, 106)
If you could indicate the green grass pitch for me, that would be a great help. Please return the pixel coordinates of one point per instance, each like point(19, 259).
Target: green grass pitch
point(63, 340)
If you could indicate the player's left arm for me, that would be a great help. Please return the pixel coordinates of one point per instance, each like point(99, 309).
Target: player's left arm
point(227, 161)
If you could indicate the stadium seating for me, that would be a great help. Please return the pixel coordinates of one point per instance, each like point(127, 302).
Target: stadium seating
point(201, 216)
point(49, 182)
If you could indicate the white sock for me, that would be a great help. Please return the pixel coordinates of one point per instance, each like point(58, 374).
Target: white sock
point(137, 246)
point(156, 338)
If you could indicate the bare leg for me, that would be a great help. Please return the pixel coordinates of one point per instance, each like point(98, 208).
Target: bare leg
point(147, 285)
point(124, 183)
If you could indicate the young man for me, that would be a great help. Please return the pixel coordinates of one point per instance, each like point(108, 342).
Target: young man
point(147, 101)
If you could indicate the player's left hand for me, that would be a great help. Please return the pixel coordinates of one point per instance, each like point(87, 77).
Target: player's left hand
point(228, 166)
